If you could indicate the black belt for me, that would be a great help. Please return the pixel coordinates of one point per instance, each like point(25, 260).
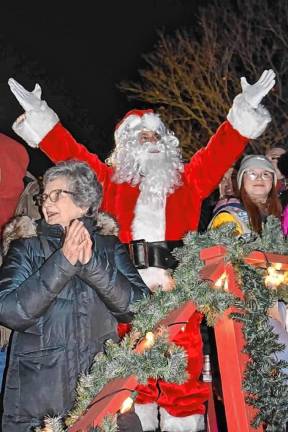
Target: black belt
point(153, 254)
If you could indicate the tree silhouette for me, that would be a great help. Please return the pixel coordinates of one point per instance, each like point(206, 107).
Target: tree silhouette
point(193, 75)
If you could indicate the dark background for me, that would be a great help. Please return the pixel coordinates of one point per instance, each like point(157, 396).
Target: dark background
point(79, 55)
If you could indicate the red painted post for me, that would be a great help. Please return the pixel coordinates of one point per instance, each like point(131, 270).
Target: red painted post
point(212, 425)
point(229, 342)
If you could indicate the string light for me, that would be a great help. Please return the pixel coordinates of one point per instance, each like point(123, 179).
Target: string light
point(222, 282)
point(126, 405)
point(274, 276)
point(277, 266)
point(149, 340)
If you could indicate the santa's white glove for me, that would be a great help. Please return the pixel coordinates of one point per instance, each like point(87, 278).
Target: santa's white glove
point(254, 93)
point(28, 100)
point(38, 118)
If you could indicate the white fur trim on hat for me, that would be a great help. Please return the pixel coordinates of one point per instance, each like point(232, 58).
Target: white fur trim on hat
point(148, 121)
point(192, 423)
point(152, 122)
point(248, 121)
point(148, 415)
point(34, 125)
point(131, 122)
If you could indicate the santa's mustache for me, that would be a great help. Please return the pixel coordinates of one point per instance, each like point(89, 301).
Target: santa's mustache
point(148, 147)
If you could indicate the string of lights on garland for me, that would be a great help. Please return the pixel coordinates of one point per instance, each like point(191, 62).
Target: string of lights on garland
point(265, 381)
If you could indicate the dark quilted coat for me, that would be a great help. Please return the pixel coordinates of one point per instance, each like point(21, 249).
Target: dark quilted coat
point(61, 315)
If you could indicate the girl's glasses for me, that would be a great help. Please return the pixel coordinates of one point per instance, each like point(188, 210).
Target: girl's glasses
point(264, 175)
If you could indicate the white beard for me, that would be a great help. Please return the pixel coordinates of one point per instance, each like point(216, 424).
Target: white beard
point(156, 181)
point(156, 167)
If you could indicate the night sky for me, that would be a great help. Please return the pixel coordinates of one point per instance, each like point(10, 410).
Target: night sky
point(79, 56)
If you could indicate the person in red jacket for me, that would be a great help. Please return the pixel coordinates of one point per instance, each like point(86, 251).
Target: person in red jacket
point(156, 199)
point(14, 161)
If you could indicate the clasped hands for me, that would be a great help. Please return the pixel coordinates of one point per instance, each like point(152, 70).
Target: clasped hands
point(77, 245)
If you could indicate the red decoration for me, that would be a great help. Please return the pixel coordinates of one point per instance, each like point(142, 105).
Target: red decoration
point(229, 341)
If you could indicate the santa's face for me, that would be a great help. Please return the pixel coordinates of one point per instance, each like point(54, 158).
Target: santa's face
point(146, 136)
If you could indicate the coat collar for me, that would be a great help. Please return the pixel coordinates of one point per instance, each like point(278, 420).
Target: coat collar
point(26, 227)
point(57, 231)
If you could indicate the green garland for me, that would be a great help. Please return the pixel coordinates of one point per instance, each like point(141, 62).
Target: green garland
point(264, 382)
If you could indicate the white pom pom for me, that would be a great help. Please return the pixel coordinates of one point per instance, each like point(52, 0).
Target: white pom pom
point(152, 122)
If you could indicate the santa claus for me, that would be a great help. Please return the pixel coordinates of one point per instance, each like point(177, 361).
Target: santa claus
point(156, 199)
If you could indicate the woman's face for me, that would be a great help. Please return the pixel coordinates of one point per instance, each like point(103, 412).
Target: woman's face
point(258, 183)
point(58, 206)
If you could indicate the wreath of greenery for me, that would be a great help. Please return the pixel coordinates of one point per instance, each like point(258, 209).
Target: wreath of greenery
point(265, 380)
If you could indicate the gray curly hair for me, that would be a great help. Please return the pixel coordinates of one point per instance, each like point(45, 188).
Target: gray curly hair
point(82, 182)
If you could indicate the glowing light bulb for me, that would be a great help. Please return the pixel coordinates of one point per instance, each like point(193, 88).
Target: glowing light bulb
point(222, 282)
point(149, 339)
point(274, 277)
point(126, 405)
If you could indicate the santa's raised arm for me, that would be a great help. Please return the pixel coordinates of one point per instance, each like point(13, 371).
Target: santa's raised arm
point(40, 127)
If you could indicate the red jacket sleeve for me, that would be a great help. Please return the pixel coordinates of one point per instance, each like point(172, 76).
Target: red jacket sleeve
point(207, 167)
point(59, 145)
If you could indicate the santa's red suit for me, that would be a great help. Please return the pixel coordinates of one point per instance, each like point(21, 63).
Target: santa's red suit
point(182, 406)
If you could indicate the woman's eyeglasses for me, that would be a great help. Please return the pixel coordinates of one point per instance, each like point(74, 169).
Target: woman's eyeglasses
point(53, 196)
point(264, 175)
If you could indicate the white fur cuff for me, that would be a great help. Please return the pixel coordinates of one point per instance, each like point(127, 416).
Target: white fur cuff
point(248, 121)
point(192, 423)
point(148, 414)
point(34, 125)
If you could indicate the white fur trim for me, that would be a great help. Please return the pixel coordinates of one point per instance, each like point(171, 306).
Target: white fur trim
point(169, 423)
point(152, 122)
point(131, 122)
point(148, 121)
point(148, 414)
point(149, 222)
point(248, 121)
point(156, 278)
point(34, 125)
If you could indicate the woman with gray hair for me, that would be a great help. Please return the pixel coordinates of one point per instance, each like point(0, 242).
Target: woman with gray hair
point(62, 292)
point(85, 190)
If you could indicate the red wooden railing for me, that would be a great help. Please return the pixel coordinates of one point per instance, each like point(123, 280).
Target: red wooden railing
point(229, 342)
point(113, 395)
point(229, 337)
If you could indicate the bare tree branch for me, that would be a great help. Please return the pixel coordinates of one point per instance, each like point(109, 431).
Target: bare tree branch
point(193, 76)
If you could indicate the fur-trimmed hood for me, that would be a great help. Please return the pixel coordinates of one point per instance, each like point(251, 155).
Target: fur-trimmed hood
point(25, 227)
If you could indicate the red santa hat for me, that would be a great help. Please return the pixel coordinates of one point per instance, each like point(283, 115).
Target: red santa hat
point(136, 120)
